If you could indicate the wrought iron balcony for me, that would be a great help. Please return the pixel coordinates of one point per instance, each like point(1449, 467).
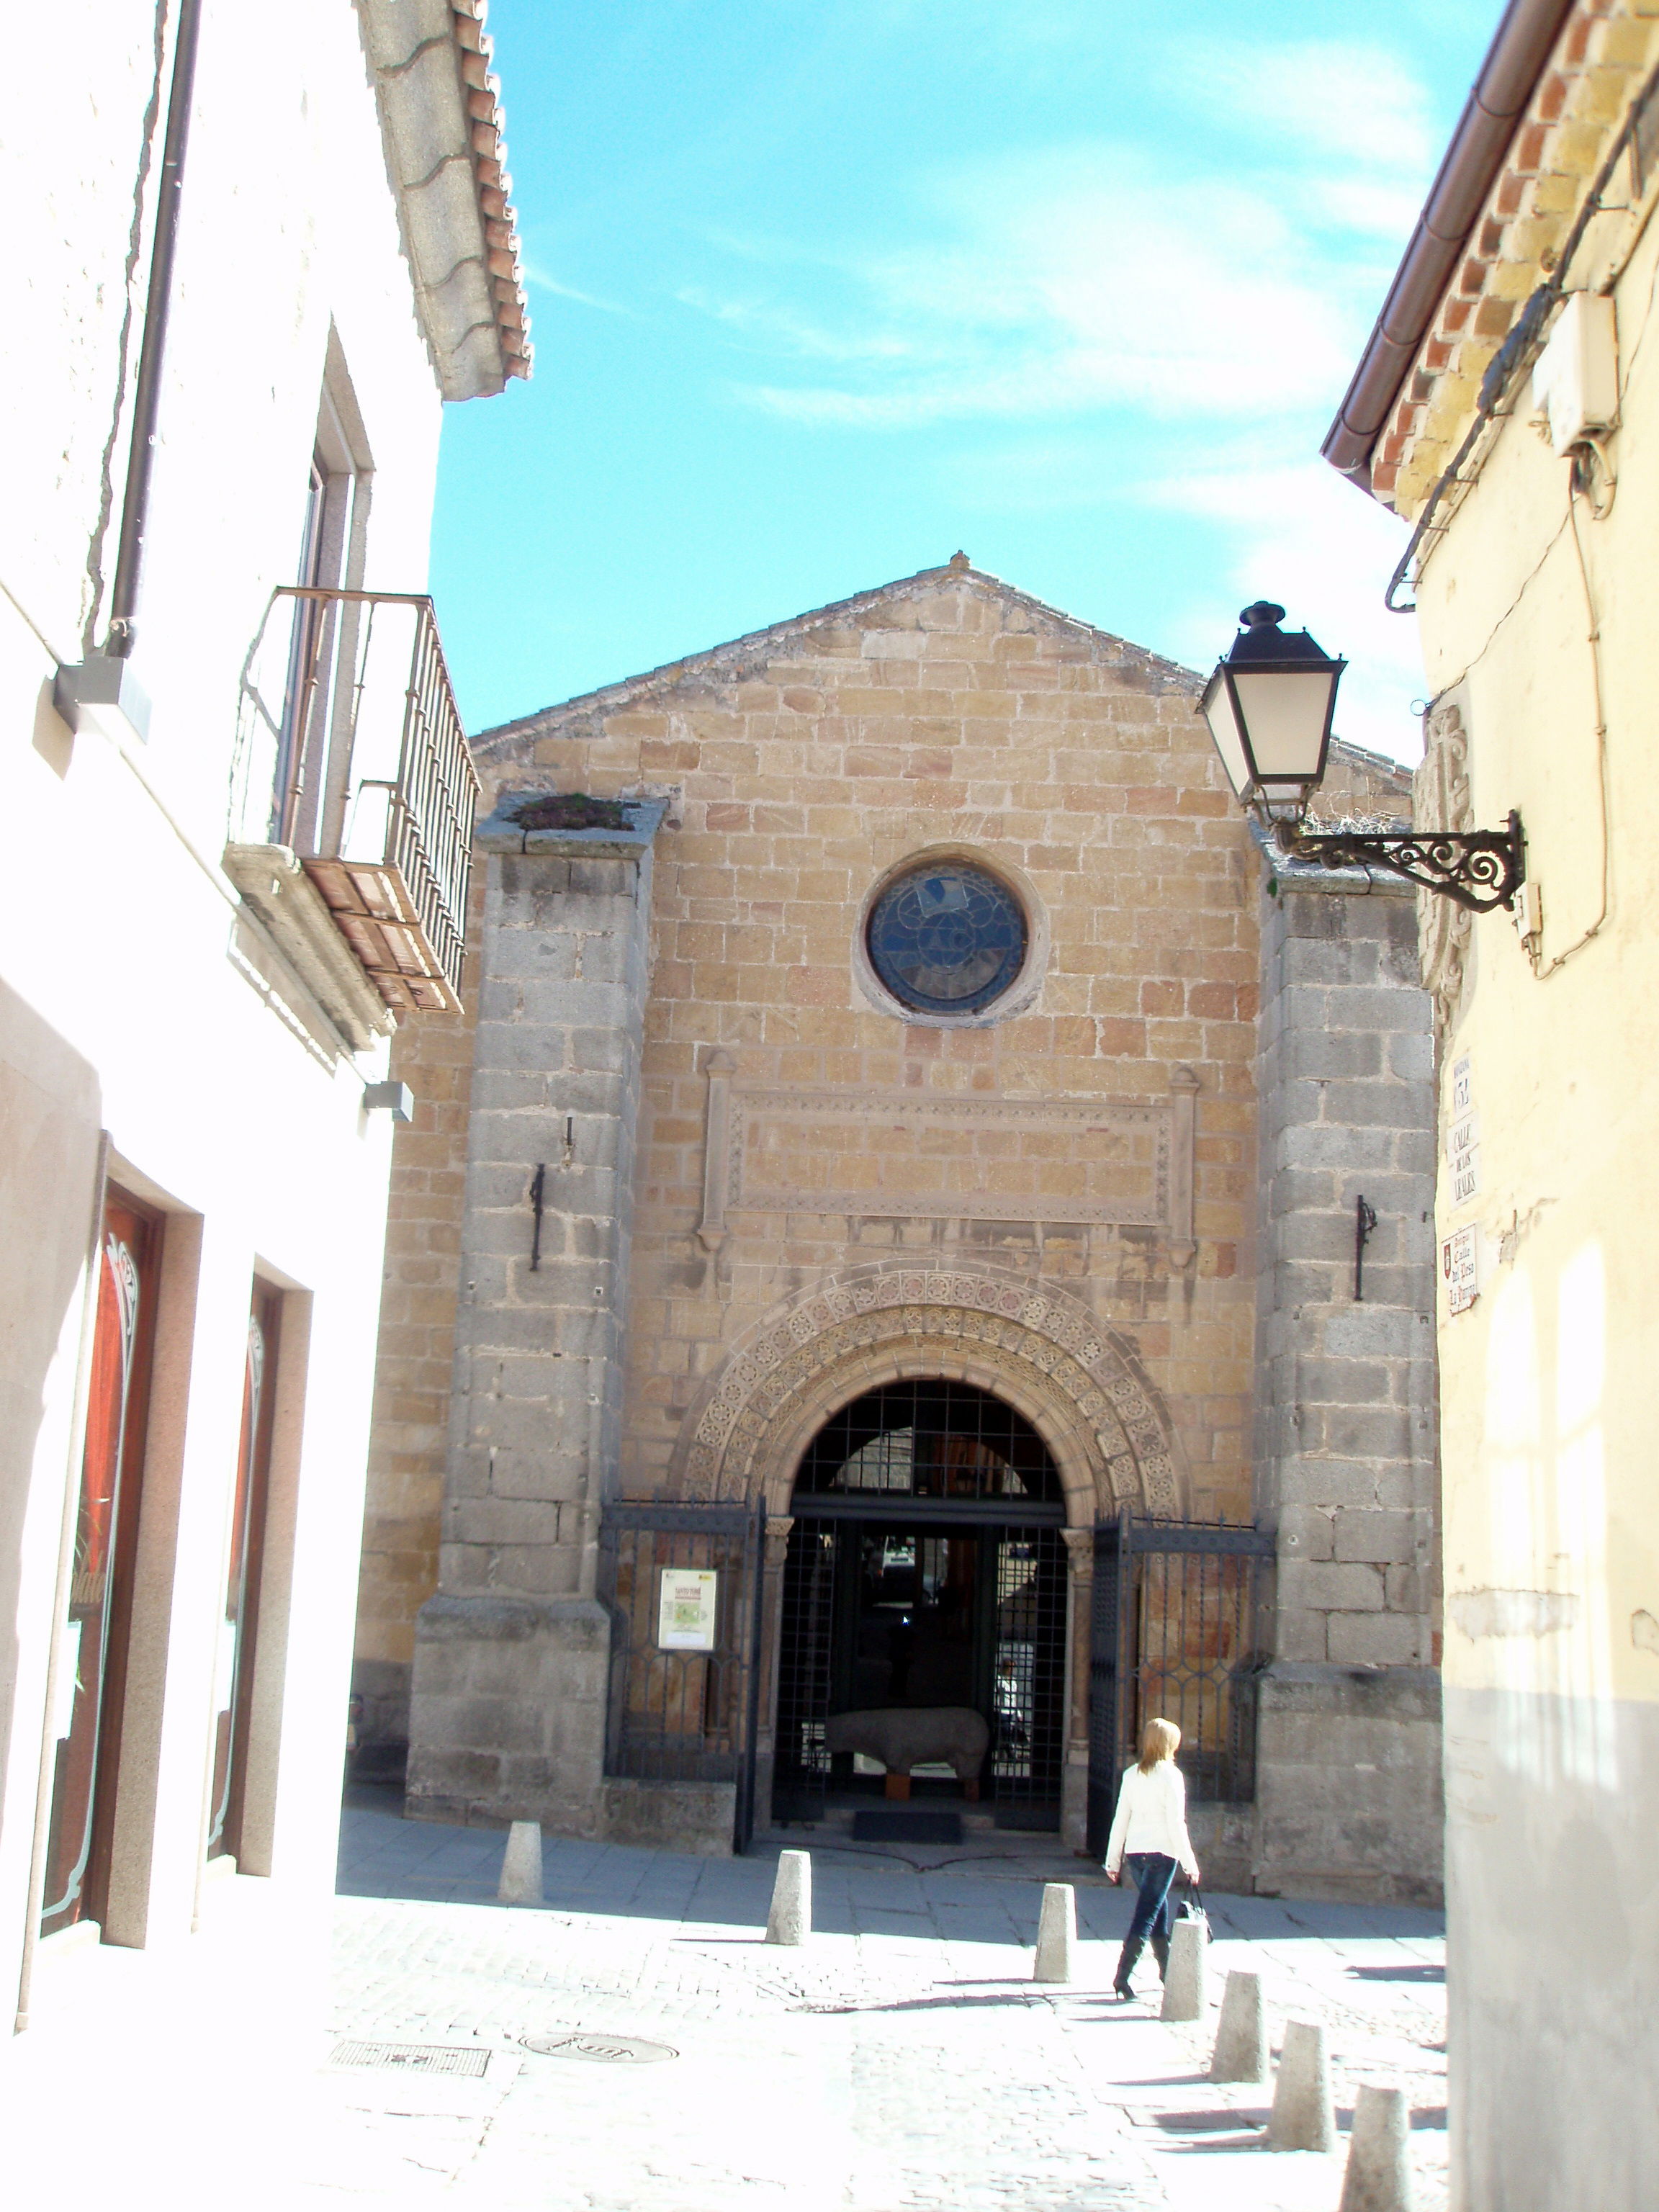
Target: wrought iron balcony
point(353, 775)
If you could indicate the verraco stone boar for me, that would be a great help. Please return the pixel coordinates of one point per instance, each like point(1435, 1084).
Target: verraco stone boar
point(901, 1737)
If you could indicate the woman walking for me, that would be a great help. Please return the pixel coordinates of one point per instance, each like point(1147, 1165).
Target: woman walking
point(1149, 1836)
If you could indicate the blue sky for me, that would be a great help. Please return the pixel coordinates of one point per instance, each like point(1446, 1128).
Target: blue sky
point(823, 289)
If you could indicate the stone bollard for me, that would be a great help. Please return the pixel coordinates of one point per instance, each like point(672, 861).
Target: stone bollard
point(521, 1866)
point(1183, 1986)
point(790, 1920)
point(1241, 2035)
point(1379, 2175)
point(1057, 1942)
point(1304, 2117)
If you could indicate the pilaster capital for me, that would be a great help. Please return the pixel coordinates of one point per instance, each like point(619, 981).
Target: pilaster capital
point(777, 1526)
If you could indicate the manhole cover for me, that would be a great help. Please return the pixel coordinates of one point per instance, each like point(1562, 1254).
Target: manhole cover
point(604, 2050)
point(413, 2057)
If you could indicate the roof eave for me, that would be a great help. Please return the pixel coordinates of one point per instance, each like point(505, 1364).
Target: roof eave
point(446, 150)
point(1486, 131)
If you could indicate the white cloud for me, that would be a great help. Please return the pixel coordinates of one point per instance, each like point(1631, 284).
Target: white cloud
point(1079, 281)
point(777, 329)
point(543, 282)
point(1103, 276)
point(1336, 97)
point(1168, 323)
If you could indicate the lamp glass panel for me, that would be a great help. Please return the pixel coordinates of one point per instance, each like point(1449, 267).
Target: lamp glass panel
point(1285, 713)
point(1218, 705)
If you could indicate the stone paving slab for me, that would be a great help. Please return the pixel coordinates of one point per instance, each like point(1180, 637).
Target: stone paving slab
point(903, 2061)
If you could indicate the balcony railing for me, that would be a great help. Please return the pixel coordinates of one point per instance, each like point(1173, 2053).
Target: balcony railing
point(351, 760)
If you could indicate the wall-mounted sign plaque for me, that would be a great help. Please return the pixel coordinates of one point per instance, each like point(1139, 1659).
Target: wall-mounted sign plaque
point(1457, 1269)
point(685, 1609)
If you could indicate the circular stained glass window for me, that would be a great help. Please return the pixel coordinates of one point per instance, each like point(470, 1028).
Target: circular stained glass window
point(947, 940)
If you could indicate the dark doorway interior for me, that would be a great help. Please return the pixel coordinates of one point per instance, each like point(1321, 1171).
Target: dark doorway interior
point(925, 1570)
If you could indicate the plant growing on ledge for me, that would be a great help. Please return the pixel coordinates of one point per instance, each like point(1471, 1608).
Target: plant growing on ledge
point(570, 810)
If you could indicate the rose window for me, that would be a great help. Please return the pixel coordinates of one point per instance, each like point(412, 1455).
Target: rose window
point(947, 940)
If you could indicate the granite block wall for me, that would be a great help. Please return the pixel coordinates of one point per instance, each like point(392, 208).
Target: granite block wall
point(510, 1659)
point(1349, 1799)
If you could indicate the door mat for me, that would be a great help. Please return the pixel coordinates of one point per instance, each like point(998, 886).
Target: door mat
point(1041, 1820)
point(907, 1828)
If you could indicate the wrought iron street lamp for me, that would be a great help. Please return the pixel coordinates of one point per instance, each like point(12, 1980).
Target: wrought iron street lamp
point(1269, 705)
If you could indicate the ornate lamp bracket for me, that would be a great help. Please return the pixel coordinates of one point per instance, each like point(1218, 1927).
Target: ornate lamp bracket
point(1481, 869)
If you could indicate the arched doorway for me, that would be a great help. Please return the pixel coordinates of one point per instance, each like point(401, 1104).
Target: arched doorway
point(925, 1572)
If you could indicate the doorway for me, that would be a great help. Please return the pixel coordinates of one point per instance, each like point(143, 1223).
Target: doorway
point(92, 1661)
point(239, 1629)
point(925, 1572)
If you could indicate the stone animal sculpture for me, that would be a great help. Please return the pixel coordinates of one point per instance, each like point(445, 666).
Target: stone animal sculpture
point(901, 1737)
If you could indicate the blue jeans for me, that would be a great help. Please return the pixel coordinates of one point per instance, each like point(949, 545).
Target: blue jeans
point(1154, 1876)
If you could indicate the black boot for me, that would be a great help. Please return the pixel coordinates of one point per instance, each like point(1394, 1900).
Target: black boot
point(1126, 1966)
point(1160, 1953)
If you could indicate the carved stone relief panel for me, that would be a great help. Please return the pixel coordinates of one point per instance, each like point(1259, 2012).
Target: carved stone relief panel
point(862, 1153)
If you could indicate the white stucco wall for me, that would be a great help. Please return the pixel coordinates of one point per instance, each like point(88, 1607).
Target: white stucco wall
point(1551, 1539)
point(136, 998)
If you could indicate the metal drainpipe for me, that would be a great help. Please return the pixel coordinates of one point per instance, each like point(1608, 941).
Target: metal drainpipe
point(141, 458)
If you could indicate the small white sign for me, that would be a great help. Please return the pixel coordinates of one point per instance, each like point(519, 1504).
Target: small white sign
point(1462, 1095)
point(685, 1609)
point(1463, 1156)
point(1458, 1269)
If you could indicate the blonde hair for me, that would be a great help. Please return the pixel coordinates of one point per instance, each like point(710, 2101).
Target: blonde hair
point(1162, 1740)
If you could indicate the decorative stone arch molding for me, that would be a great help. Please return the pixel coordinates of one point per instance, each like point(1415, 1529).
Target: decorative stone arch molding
point(1039, 1350)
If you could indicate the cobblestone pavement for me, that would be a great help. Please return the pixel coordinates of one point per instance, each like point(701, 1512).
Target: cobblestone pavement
point(901, 2061)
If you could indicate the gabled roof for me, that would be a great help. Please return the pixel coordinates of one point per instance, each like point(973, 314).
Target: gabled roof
point(743, 657)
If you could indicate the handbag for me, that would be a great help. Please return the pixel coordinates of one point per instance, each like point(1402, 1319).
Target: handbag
point(1190, 1906)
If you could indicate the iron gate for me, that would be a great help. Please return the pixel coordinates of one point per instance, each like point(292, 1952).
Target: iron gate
point(1018, 1644)
point(1178, 1630)
point(800, 1773)
point(685, 1715)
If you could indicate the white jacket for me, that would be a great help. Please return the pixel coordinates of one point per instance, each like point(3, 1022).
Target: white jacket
point(1152, 1816)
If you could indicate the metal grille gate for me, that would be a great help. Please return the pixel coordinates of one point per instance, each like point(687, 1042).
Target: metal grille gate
point(1020, 1588)
point(685, 1716)
point(806, 1649)
point(1178, 1630)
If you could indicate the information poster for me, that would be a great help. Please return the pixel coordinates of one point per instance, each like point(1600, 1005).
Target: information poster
point(686, 1609)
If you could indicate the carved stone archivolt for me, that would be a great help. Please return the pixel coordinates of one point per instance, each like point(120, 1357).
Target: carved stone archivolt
point(1441, 800)
point(1038, 1350)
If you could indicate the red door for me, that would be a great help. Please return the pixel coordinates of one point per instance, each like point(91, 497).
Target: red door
point(239, 1625)
point(92, 1663)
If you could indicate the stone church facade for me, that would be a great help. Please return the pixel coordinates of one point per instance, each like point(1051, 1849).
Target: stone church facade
point(919, 1016)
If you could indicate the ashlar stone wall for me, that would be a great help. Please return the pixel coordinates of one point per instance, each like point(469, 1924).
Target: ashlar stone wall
point(948, 714)
point(1349, 1799)
point(874, 1191)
